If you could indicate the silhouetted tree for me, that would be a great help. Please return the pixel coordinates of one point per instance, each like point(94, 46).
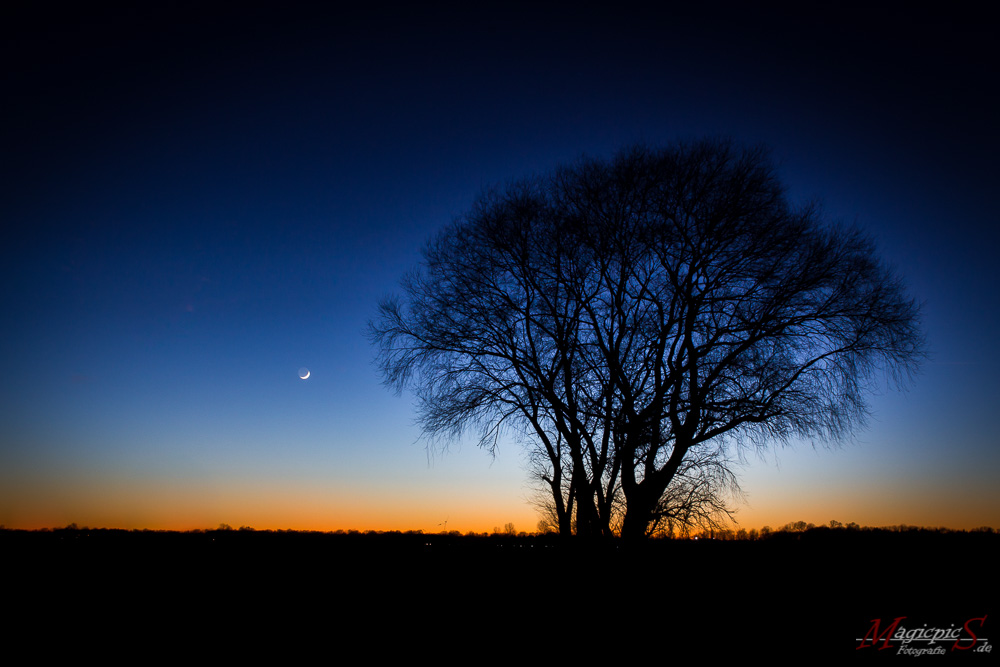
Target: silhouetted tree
point(632, 319)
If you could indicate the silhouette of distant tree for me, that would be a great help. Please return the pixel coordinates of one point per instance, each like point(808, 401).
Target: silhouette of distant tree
point(631, 319)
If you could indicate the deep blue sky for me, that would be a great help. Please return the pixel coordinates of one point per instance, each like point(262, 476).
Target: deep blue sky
point(198, 202)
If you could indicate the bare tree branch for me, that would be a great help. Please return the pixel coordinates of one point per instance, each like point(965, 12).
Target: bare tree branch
point(631, 315)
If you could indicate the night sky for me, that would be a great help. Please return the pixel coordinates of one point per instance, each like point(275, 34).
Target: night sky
point(197, 203)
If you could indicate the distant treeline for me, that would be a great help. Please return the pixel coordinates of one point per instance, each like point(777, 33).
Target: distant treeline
point(797, 528)
point(794, 529)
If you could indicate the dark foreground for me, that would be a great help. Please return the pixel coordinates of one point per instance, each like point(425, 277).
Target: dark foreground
point(818, 592)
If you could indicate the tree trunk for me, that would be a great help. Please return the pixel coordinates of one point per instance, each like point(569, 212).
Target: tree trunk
point(638, 514)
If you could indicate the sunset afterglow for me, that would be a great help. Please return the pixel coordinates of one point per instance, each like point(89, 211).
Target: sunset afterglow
point(201, 217)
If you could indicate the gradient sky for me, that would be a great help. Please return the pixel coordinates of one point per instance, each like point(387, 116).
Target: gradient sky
point(196, 203)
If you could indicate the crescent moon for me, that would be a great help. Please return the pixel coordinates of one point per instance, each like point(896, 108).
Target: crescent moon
point(304, 373)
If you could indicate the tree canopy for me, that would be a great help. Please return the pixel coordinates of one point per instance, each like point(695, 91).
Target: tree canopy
point(632, 319)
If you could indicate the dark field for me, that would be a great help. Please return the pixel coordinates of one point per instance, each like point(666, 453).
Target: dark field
point(218, 591)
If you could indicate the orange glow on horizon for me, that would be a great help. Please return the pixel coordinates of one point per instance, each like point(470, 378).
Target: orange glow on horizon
point(109, 501)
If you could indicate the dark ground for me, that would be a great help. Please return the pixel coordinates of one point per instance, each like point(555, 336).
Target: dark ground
point(250, 591)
